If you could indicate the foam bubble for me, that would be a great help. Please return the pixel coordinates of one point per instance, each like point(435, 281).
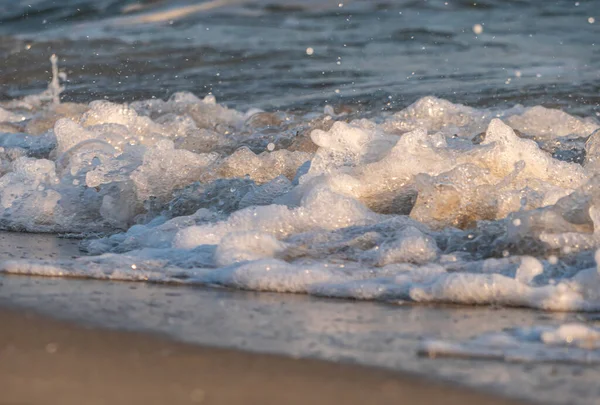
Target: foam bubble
point(573, 343)
point(438, 202)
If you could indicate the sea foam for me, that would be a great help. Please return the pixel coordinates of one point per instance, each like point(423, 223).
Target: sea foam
point(438, 202)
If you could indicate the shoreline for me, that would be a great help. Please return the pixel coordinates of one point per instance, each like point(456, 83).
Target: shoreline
point(48, 361)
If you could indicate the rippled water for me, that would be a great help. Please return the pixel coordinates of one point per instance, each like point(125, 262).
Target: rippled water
point(372, 54)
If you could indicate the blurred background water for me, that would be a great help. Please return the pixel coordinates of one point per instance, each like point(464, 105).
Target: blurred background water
point(302, 54)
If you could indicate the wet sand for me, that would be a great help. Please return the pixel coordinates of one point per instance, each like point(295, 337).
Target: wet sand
point(116, 343)
point(45, 361)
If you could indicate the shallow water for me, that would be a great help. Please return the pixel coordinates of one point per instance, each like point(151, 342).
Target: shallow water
point(426, 151)
point(382, 335)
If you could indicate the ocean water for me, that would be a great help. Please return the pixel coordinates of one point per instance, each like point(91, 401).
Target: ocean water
point(379, 54)
point(397, 151)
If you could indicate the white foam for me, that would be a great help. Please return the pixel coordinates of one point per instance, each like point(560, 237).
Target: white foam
point(438, 202)
point(574, 343)
point(544, 122)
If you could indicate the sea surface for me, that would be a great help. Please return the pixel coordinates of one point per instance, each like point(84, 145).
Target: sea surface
point(400, 162)
point(379, 54)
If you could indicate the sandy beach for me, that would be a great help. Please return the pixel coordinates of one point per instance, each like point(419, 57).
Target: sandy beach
point(52, 362)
